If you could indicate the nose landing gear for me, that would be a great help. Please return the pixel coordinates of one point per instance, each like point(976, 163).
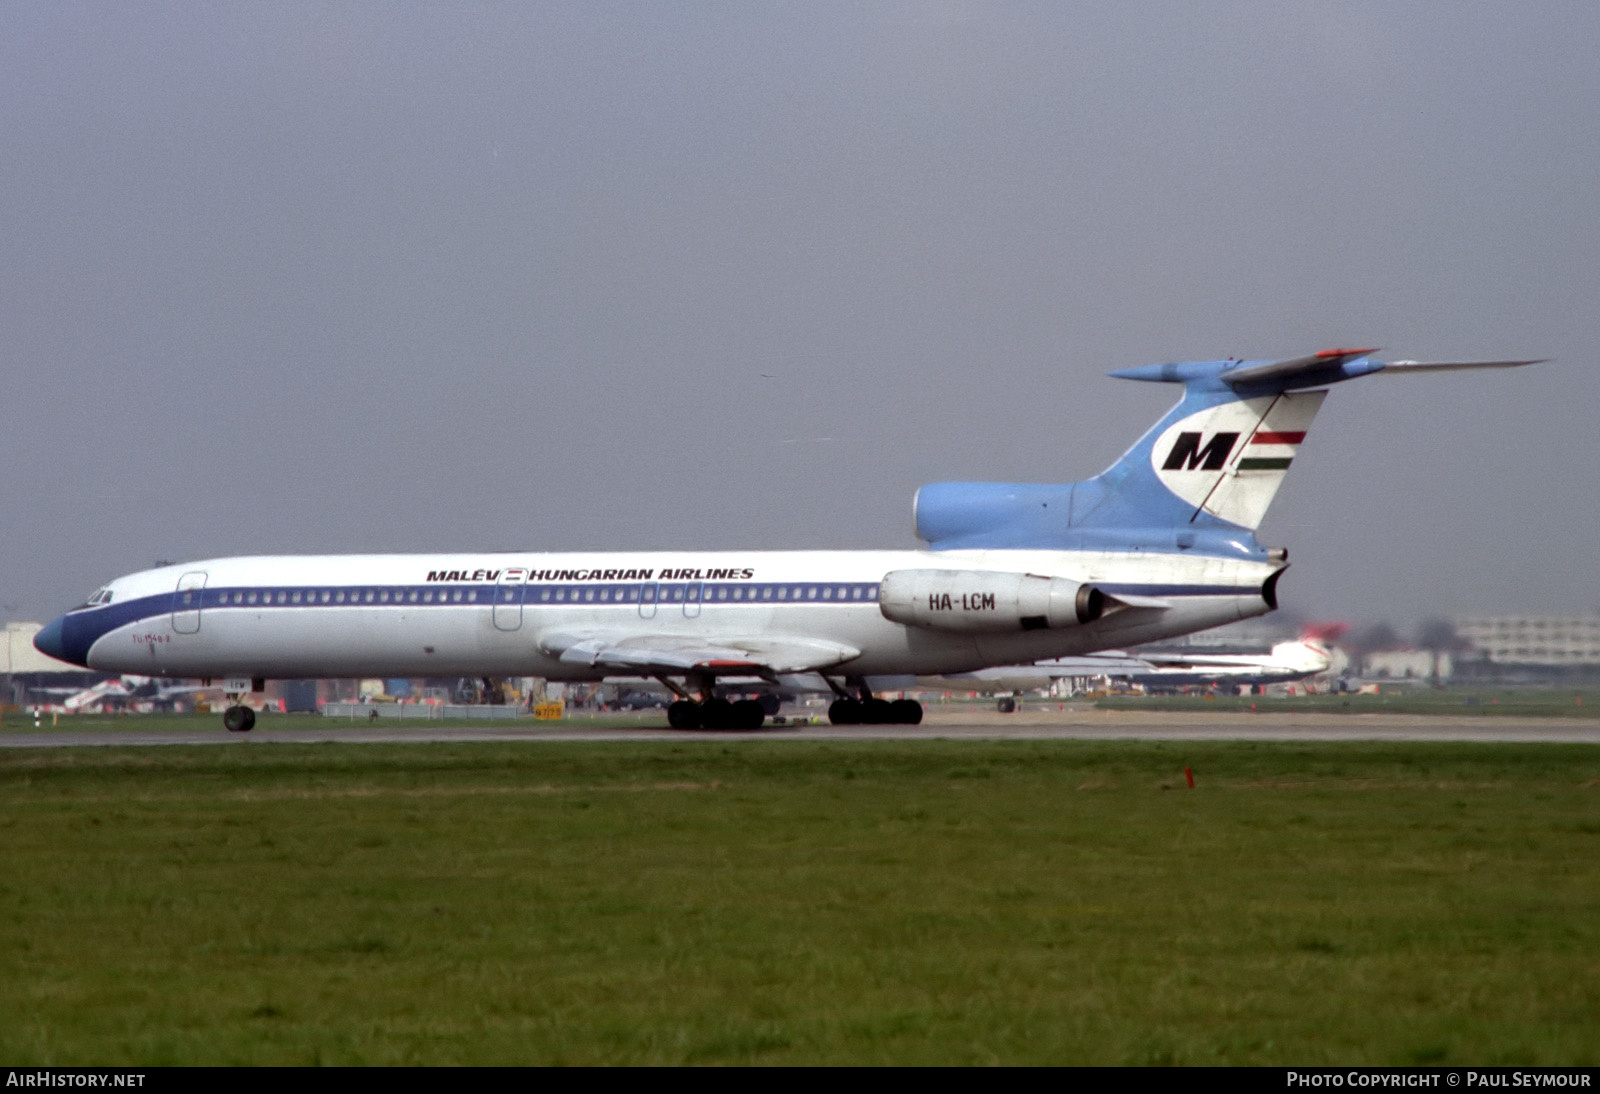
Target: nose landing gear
point(239, 718)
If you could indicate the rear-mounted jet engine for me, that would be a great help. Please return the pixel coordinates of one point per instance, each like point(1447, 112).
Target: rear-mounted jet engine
point(977, 601)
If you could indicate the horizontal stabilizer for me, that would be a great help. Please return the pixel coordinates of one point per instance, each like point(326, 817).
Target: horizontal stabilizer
point(1315, 364)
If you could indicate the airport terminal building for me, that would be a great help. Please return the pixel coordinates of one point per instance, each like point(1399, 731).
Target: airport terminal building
point(1534, 639)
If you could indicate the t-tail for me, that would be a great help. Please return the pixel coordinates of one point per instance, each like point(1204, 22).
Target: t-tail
point(1201, 478)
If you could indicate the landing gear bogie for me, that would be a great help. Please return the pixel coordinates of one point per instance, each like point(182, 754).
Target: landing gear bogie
point(716, 714)
point(875, 712)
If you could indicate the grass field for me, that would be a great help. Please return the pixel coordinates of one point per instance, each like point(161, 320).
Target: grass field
point(1450, 702)
point(917, 902)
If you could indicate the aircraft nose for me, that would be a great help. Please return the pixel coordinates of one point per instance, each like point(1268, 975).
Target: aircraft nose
point(51, 642)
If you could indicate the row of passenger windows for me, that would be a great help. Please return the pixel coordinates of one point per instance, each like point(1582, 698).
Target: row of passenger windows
point(346, 596)
point(546, 594)
point(691, 594)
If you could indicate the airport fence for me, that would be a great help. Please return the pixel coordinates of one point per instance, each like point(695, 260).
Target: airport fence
point(421, 711)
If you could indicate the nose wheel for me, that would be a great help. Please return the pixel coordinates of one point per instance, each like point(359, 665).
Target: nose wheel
point(239, 719)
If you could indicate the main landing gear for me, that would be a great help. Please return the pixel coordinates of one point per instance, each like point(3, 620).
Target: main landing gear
point(716, 714)
point(709, 712)
point(868, 711)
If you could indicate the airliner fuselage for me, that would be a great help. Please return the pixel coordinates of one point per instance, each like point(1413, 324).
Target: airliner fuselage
point(518, 613)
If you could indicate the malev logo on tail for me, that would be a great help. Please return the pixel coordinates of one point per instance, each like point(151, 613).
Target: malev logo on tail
point(1229, 459)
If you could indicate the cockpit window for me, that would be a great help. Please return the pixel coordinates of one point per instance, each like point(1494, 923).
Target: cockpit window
point(96, 599)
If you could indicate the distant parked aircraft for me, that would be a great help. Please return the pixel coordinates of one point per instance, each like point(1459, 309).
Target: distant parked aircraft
point(120, 690)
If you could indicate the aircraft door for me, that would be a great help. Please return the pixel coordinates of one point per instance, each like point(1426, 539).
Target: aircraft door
point(647, 599)
point(186, 602)
point(691, 599)
point(508, 593)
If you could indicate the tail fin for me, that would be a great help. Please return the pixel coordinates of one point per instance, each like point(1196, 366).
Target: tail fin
point(1206, 472)
point(1216, 460)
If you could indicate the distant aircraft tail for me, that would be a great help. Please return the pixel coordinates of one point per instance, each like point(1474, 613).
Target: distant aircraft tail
point(1201, 477)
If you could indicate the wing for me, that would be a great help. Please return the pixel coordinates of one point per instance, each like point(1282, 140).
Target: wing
point(765, 655)
point(1094, 664)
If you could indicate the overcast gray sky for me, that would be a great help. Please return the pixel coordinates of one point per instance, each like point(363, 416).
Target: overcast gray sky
point(385, 277)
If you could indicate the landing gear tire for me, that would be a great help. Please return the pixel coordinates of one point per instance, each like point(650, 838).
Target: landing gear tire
point(875, 712)
point(239, 719)
point(1006, 706)
point(717, 714)
point(748, 714)
point(684, 715)
point(845, 712)
point(905, 712)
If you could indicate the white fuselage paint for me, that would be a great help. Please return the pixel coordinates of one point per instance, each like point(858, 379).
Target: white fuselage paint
point(372, 615)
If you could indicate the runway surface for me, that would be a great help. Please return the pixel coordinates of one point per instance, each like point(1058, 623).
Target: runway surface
point(1072, 723)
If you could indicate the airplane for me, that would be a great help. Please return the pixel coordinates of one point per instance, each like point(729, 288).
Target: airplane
point(119, 690)
point(1286, 662)
point(1160, 544)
